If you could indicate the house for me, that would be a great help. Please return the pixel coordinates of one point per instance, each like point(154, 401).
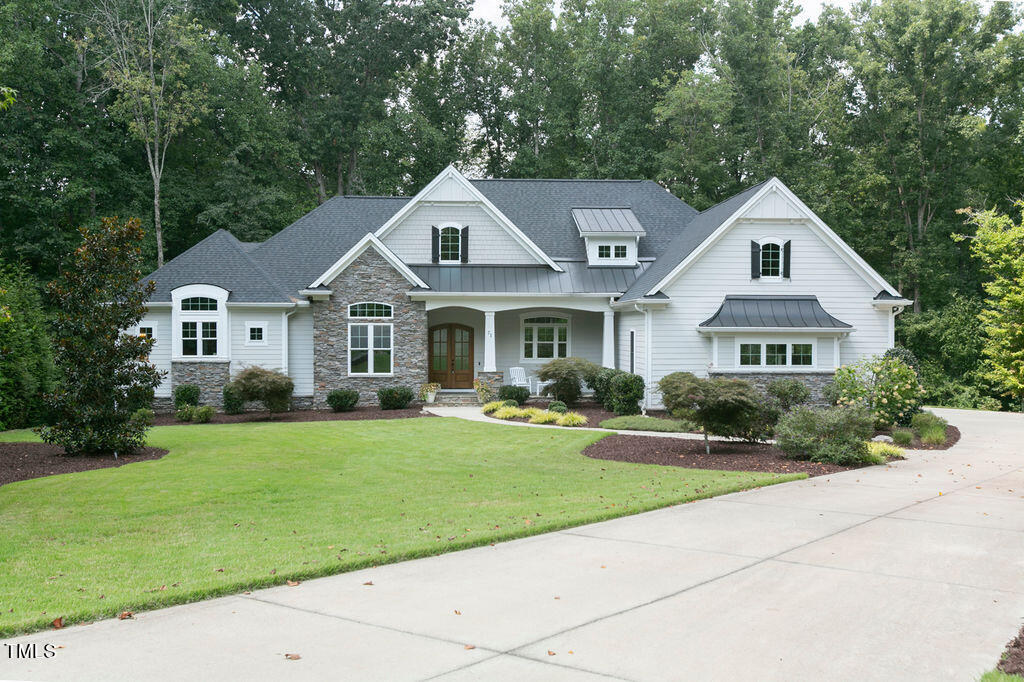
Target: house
point(472, 277)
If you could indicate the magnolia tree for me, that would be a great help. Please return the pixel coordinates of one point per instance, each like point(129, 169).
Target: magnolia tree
point(103, 371)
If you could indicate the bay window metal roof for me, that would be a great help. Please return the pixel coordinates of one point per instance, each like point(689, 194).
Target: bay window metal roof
point(749, 311)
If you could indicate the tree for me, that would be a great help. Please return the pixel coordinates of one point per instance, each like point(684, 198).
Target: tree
point(7, 97)
point(998, 244)
point(103, 371)
point(26, 360)
point(723, 407)
point(152, 50)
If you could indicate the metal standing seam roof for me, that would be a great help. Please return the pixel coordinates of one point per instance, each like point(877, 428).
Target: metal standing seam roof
point(772, 311)
point(611, 221)
point(577, 278)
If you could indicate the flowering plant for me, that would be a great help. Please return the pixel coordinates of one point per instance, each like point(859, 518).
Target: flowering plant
point(887, 386)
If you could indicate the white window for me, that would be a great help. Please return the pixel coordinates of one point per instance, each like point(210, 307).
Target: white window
point(256, 334)
point(370, 351)
point(198, 317)
point(620, 251)
point(147, 330)
point(604, 251)
point(775, 354)
point(450, 245)
point(370, 310)
point(545, 337)
point(198, 338)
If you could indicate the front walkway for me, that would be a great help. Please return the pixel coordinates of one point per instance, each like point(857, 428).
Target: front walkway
point(913, 571)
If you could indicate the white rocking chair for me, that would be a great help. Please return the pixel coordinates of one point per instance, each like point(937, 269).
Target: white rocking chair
point(517, 377)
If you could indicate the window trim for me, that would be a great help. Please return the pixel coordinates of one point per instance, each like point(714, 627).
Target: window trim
point(260, 324)
point(625, 251)
point(390, 307)
point(544, 313)
point(220, 316)
point(440, 244)
point(763, 342)
point(779, 242)
point(369, 340)
point(604, 246)
point(151, 325)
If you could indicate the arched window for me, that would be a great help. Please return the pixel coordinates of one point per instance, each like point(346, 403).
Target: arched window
point(771, 259)
point(369, 310)
point(450, 245)
point(195, 303)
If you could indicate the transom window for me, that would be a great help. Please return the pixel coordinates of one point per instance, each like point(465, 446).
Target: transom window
point(369, 310)
point(199, 303)
point(370, 349)
point(450, 246)
point(776, 354)
point(771, 259)
point(545, 337)
point(199, 338)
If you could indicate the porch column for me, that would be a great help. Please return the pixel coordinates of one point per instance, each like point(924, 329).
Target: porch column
point(608, 343)
point(490, 361)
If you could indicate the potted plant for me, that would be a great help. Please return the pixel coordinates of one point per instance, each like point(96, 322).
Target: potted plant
point(428, 392)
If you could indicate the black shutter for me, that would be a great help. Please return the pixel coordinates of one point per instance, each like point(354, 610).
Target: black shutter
point(785, 260)
point(435, 247)
point(755, 260)
point(464, 250)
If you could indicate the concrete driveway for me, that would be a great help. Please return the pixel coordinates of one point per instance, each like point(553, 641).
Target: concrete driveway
point(909, 572)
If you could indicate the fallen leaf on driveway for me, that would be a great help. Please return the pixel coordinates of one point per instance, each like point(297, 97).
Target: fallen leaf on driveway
point(125, 615)
point(293, 583)
point(457, 612)
point(470, 646)
point(58, 623)
point(292, 657)
point(368, 582)
point(550, 652)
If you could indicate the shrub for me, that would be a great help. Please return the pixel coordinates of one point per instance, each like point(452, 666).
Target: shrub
point(185, 413)
point(925, 420)
point(233, 401)
point(520, 394)
point(484, 390)
point(588, 371)
point(601, 383)
point(271, 388)
point(203, 414)
point(625, 393)
point(572, 419)
point(640, 423)
point(530, 412)
point(887, 387)
point(510, 403)
point(723, 407)
point(508, 412)
point(186, 394)
point(788, 393)
point(906, 355)
point(545, 417)
point(395, 397)
point(884, 451)
point(26, 355)
point(144, 416)
point(492, 406)
point(837, 435)
point(902, 437)
point(566, 377)
point(558, 406)
point(343, 399)
point(933, 435)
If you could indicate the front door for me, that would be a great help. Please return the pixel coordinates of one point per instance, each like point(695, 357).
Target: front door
point(451, 355)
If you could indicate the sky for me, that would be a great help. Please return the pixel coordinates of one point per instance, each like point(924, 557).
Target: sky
point(490, 10)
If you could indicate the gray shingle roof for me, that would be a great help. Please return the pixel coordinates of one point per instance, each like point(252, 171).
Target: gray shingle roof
point(609, 221)
point(772, 311)
point(528, 279)
point(685, 241)
point(221, 260)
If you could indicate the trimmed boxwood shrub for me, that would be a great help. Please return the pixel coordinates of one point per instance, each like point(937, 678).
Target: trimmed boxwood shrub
point(185, 413)
point(186, 394)
point(625, 393)
point(144, 416)
point(520, 394)
point(203, 414)
point(837, 435)
point(601, 384)
point(233, 402)
point(558, 406)
point(395, 397)
point(343, 399)
point(271, 388)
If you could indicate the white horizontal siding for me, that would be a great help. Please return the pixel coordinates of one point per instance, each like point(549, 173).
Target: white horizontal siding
point(300, 351)
point(160, 355)
point(489, 243)
point(626, 322)
point(268, 356)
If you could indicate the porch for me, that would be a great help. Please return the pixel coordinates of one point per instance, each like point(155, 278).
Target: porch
point(488, 339)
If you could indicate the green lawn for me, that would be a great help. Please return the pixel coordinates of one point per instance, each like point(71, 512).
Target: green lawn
point(239, 506)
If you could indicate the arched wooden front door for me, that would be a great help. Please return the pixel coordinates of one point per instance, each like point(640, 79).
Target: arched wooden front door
point(451, 355)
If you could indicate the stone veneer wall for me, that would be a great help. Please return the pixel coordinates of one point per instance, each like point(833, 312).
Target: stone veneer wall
point(815, 381)
point(209, 376)
point(369, 278)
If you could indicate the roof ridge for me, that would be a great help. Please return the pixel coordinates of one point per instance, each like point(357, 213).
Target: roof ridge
point(257, 266)
point(729, 198)
point(561, 180)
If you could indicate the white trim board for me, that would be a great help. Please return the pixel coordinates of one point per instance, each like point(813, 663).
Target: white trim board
point(370, 240)
point(452, 173)
point(833, 240)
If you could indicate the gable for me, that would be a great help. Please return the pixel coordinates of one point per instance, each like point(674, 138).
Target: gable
point(369, 242)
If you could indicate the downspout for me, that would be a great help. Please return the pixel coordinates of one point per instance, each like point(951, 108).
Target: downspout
point(284, 337)
point(648, 343)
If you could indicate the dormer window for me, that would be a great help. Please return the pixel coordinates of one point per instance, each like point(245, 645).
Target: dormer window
point(604, 251)
point(769, 259)
point(451, 244)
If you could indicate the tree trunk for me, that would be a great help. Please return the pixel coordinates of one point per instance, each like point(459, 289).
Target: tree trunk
point(707, 443)
point(157, 227)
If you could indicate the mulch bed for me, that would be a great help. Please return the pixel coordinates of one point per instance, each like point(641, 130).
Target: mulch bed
point(22, 461)
point(952, 436)
point(365, 412)
point(1012, 662)
point(689, 454)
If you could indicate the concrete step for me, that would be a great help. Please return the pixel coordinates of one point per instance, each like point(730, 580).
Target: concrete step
point(457, 398)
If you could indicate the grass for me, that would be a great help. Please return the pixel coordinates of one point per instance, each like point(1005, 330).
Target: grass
point(1000, 676)
point(933, 435)
point(902, 437)
point(638, 422)
point(240, 506)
